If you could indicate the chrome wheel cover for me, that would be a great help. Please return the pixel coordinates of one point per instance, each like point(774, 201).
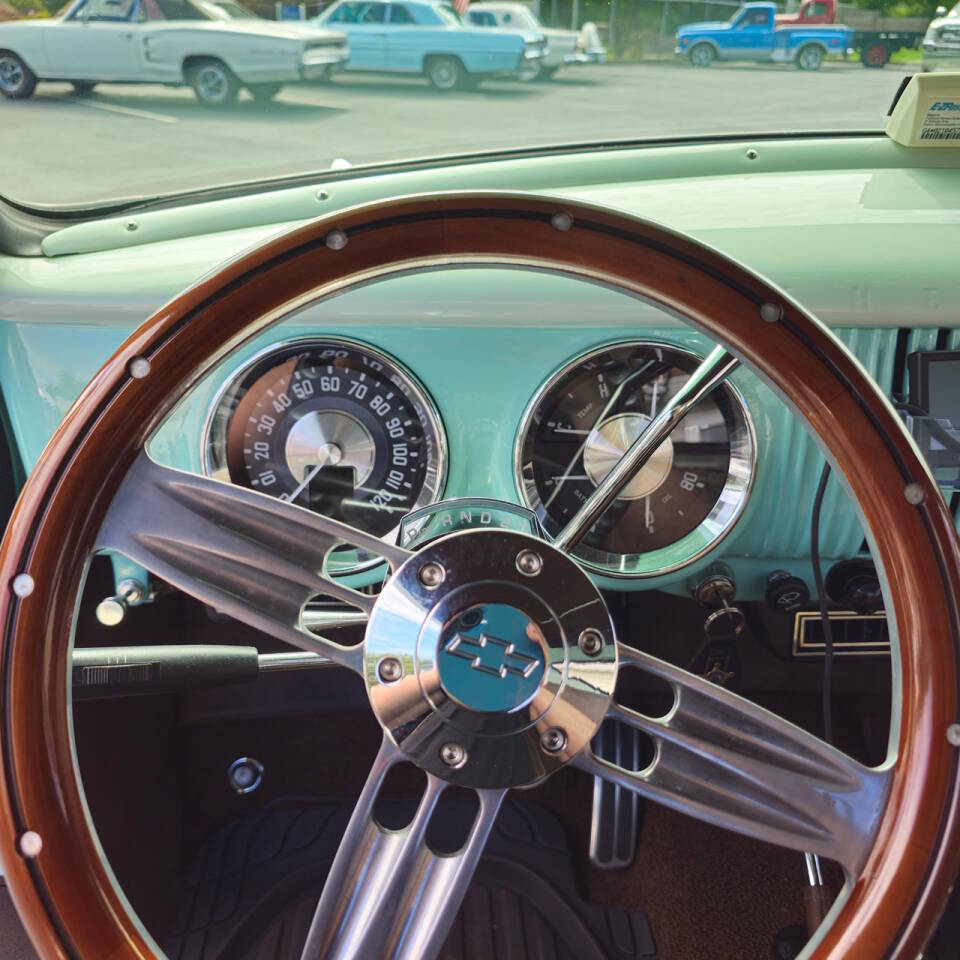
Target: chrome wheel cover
point(212, 83)
point(11, 74)
point(443, 76)
point(701, 55)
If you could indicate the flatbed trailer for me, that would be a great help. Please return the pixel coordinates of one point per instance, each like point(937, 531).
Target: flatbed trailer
point(875, 37)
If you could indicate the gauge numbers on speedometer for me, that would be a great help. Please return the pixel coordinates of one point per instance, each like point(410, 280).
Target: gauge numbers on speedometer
point(689, 492)
point(333, 426)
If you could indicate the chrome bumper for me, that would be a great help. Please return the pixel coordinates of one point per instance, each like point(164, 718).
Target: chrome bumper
point(590, 56)
point(322, 62)
point(941, 55)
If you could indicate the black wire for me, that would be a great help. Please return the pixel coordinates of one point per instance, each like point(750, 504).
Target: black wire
point(822, 597)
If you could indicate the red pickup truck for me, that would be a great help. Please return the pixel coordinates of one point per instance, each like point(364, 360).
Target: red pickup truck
point(875, 37)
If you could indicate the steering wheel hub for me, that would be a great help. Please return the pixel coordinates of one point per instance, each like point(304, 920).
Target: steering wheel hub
point(485, 625)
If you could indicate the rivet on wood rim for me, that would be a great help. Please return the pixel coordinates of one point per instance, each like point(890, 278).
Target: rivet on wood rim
point(23, 585)
point(913, 493)
point(139, 368)
point(336, 240)
point(771, 312)
point(30, 843)
point(953, 734)
point(561, 222)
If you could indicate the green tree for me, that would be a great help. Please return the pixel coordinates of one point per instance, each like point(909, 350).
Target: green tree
point(903, 8)
point(37, 8)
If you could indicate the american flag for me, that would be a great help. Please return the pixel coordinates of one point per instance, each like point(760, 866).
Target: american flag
point(461, 6)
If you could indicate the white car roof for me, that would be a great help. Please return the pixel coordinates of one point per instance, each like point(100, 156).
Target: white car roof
point(496, 5)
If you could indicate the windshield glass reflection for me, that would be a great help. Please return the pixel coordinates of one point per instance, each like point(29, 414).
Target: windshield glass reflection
point(111, 100)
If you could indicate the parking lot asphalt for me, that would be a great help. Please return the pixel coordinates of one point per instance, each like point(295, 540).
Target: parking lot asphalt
point(121, 141)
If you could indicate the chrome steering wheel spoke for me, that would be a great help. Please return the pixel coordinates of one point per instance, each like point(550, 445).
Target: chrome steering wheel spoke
point(715, 368)
point(387, 894)
point(251, 556)
point(725, 760)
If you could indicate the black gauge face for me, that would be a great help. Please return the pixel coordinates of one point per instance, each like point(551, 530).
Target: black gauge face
point(591, 413)
point(331, 426)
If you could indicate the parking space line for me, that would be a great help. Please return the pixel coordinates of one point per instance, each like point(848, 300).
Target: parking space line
point(330, 103)
point(126, 111)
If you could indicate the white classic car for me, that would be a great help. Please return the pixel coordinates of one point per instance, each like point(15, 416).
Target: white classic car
point(941, 45)
point(565, 46)
point(214, 46)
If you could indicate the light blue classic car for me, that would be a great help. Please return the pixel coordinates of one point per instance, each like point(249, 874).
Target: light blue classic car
point(430, 39)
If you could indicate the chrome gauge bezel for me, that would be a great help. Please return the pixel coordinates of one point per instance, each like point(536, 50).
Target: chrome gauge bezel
point(692, 545)
point(213, 449)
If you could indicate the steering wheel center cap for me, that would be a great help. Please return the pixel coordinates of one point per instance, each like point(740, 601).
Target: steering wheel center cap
point(474, 651)
point(492, 658)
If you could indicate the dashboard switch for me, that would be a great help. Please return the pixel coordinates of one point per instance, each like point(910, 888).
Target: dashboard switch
point(786, 593)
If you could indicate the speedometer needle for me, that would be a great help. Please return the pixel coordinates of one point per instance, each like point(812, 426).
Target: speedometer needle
point(328, 453)
point(296, 493)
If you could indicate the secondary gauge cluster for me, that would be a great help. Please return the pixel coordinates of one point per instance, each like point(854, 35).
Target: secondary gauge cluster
point(685, 498)
point(333, 426)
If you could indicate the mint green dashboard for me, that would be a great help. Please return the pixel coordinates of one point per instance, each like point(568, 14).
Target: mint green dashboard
point(859, 230)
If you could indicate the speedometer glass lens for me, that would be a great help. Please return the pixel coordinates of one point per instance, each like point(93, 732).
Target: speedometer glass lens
point(689, 492)
point(332, 426)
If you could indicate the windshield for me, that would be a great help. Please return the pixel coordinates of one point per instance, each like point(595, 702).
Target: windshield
point(225, 10)
point(449, 14)
point(105, 102)
point(520, 19)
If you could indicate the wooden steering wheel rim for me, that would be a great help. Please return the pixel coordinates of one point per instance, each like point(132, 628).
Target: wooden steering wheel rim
point(66, 897)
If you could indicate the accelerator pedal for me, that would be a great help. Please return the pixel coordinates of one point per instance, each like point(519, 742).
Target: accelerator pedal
point(613, 824)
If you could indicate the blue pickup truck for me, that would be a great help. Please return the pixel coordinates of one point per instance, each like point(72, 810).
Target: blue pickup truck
point(752, 34)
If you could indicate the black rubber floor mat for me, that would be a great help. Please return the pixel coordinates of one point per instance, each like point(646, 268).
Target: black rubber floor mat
point(252, 889)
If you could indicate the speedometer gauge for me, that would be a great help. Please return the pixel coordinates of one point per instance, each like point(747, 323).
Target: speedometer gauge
point(333, 426)
point(687, 495)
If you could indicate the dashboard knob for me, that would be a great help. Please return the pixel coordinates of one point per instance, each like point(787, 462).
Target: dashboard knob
point(786, 593)
point(854, 585)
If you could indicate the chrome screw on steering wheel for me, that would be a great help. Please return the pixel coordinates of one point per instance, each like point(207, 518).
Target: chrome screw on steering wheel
point(590, 642)
point(432, 575)
point(390, 670)
point(529, 563)
point(553, 740)
point(453, 755)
